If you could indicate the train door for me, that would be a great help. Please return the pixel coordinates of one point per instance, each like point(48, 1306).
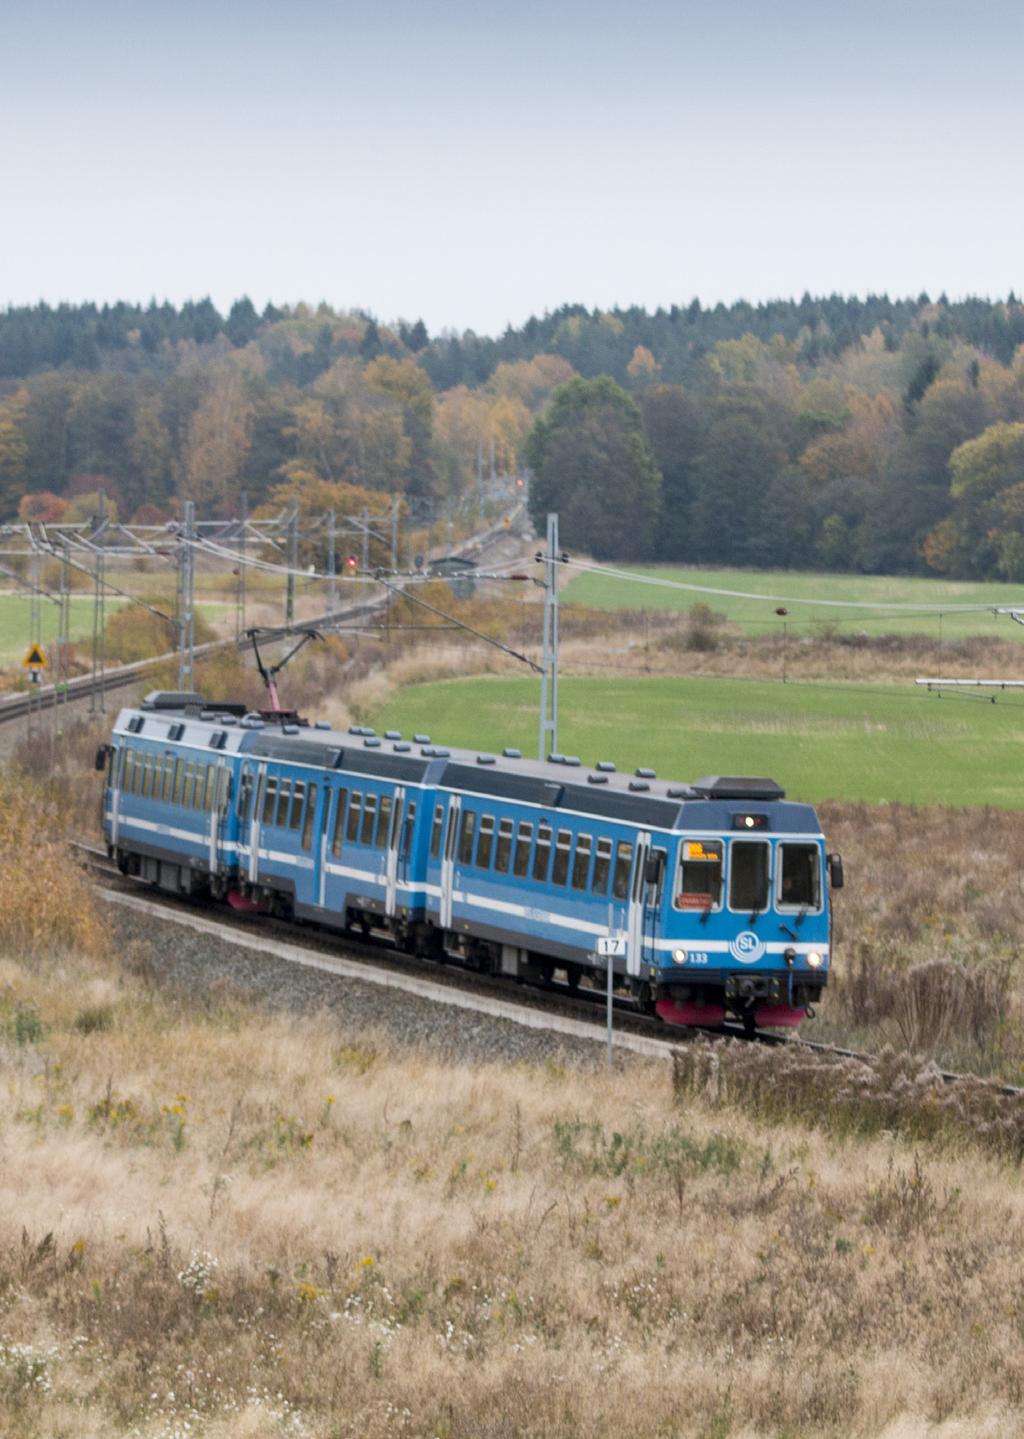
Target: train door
point(451, 837)
point(217, 801)
point(636, 917)
point(394, 840)
point(329, 799)
point(252, 780)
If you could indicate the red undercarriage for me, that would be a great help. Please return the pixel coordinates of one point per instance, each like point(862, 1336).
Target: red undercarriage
point(766, 1016)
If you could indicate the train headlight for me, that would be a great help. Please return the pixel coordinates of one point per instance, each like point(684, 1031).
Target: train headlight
point(679, 955)
point(814, 959)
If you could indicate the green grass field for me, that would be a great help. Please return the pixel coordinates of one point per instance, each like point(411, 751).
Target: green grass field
point(799, 591)
point(14, 622)
point(819, 741)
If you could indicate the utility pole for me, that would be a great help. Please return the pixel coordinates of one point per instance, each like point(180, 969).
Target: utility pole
point(35, 629)
point(293, 560)
point(240, 592)
point(62, 655)
point(395, 503)
point(548, 735)
point(97, 699)
point(332, 565)
point(186, 600)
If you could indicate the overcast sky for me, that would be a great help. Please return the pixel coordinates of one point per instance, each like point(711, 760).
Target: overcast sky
point(472, 163)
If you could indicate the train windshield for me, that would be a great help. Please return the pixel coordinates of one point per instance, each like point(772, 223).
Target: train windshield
point(799, 877)
point(700, 875)
point(748, 876)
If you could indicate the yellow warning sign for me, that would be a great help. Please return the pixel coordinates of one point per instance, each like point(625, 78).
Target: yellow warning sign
point(35, 658)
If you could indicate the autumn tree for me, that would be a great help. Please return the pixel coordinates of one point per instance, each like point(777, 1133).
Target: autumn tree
point(218, 443)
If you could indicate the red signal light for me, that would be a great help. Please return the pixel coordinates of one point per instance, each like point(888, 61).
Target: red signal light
point(351, 564)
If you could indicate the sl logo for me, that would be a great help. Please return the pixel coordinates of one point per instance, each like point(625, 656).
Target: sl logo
point(746, 947)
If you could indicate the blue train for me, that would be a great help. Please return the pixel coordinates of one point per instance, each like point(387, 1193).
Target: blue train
point(719, 889)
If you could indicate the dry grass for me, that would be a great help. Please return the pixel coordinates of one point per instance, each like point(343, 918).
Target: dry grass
point(215, 1221)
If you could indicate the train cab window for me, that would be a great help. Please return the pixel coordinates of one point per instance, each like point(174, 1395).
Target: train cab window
point(699, 885)
point(503, 849)
point(369, 819)
point(408, 829)
point(623, 865)
point(384, 822)
point(798, 881)
point(436, 831)
point(485, 842)
point(654, 879)
point(542, 853)
point(524, 839)
point(244, 790)
point(748, 875)
point(307, 826)
point(355, 811)
point(563, 848)
point(270, 799)
point(581, 861)
point(339, 823)
point(466, 837)
point(602, 867)
point(298, 799)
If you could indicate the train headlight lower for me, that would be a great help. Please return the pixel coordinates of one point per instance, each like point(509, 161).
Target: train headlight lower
point(679, 955)
point(814, 959)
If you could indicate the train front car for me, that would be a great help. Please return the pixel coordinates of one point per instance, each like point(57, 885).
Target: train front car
point(746, 912)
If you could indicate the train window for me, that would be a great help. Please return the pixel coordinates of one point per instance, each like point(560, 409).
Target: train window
point(208, 787)
point(179, 779)
point(126, 779)
point(748, 876)
point(339, 823)
point(700, 875)
point(270, 799)
point(602, 866)
point(147, 775)
point(188, 780)
point(485, 842)
point(225, 790)
point(656, 865)
point(307, 828)
point(623, 865)
point(410, 825)
point(298, 797)
point(581, 861)
point(244, 789)
point(369, 819)
point(563, 848)
point(542, 853)
point(524, 839)
point(279, 814)
point(435, 834)
point(355, 811)
point(798, 883)
point(384, 822)
point(466, 837)
point(503, 850)
point(168, 764)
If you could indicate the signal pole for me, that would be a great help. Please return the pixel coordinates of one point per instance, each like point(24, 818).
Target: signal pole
point(548, 735)
point(186, 600)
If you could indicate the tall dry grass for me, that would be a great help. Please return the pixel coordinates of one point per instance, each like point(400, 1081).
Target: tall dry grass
point(219, 1221)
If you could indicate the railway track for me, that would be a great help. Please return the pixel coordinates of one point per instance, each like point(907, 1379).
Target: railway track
point(44, 697)
point(580, 1013)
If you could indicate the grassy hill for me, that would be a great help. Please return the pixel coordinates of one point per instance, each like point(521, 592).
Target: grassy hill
point(820, 741)
point(802, 594)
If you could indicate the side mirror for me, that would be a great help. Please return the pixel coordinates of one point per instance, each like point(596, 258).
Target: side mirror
point(835, 871)
point(101, 756)
point(652, 869)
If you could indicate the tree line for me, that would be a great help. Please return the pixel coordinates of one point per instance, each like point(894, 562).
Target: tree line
point(878, 435)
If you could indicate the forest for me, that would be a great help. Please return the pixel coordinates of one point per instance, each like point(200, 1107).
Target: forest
point(870, 434)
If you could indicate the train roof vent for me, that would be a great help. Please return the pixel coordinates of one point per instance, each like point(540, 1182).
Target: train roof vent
point(597, 779)
point(682, 791)
point(510, 753)
point(440, 752)
point(171, 700)
point(421, 738)
point(573, 760)
point(639, 785)
point(392, 734)
point(289, 729)
point(371, 742)
point(485, 759)
point(227, 719)
point(251, 722)
point(556, 759)
point(605, 766)
point(642, 773)
point(322, 724)
point(402, 746)
point(724, 786)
